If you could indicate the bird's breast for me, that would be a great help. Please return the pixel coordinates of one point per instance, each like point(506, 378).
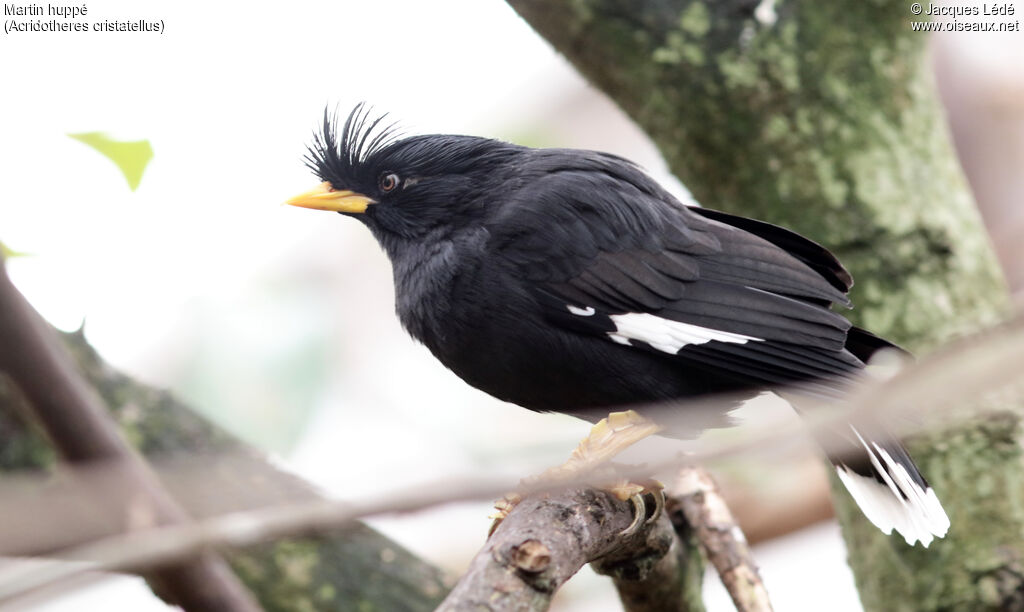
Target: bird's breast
point(429, 277)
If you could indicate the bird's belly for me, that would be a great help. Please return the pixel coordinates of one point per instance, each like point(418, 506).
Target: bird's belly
point(544, 368)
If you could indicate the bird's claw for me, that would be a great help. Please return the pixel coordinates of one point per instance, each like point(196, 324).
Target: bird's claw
point(607, 438)
point(642, 517)
point(502, 509)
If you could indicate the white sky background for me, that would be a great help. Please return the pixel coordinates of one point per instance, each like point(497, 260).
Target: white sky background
point(228, 97)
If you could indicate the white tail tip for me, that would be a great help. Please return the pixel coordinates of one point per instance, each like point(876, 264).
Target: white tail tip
point(899, 502)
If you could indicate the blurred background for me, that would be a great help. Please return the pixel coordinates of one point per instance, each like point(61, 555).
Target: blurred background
point(278, 323)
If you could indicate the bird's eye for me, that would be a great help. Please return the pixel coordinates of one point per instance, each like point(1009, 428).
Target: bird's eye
point(388, 181)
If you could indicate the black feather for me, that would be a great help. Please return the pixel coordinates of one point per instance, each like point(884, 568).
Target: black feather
point(809, 252)
point(363, 134)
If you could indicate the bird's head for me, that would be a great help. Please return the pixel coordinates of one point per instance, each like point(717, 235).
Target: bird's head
point(404, 189)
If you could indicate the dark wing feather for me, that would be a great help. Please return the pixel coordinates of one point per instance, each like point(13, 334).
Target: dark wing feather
point(762, 314)
point(612, 240)
point(817, 257)
point(864, 344)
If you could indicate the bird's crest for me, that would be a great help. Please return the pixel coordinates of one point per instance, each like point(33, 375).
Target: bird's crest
point(363, 134)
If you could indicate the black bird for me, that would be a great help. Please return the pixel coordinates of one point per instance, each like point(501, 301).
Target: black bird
point(569, 281)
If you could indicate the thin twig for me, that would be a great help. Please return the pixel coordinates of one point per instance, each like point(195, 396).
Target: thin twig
point(75, 420)
point(721, 538)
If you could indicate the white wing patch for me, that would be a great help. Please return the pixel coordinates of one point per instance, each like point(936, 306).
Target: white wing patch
point(582, 312)
point(899, 503)
point(667, 335)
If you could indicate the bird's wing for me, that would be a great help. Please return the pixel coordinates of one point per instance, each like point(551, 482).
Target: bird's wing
point(604, 255)
point(812, 254)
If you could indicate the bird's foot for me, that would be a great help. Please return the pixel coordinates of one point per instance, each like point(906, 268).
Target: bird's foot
point(609, 437)
point(502, 508)
point(612, 435)
point(638, 494)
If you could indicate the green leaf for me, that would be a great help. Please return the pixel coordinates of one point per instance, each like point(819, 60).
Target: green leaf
point(8, 252)
point(131, 157)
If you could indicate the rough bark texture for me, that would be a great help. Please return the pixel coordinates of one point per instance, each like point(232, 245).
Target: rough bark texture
point(547, 538)
point(354, 569)
point(821, 116)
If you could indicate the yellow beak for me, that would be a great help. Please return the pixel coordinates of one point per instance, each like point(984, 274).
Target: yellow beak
point(324, 197)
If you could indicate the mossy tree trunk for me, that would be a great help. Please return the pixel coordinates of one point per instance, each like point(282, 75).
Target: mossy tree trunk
point(822, 117)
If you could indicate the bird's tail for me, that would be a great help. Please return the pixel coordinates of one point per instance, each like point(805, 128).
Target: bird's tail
point(889, 489)
point(880, 475)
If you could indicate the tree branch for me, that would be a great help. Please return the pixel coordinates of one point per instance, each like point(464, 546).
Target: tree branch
point(75, 420)
point(721, 538)
point(351, 566)
point(548, 538)
point(651, 579)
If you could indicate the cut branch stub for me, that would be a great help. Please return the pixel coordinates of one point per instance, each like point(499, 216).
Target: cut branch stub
point(532, 557)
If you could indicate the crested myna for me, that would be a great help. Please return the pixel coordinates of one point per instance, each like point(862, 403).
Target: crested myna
point(570, 281)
